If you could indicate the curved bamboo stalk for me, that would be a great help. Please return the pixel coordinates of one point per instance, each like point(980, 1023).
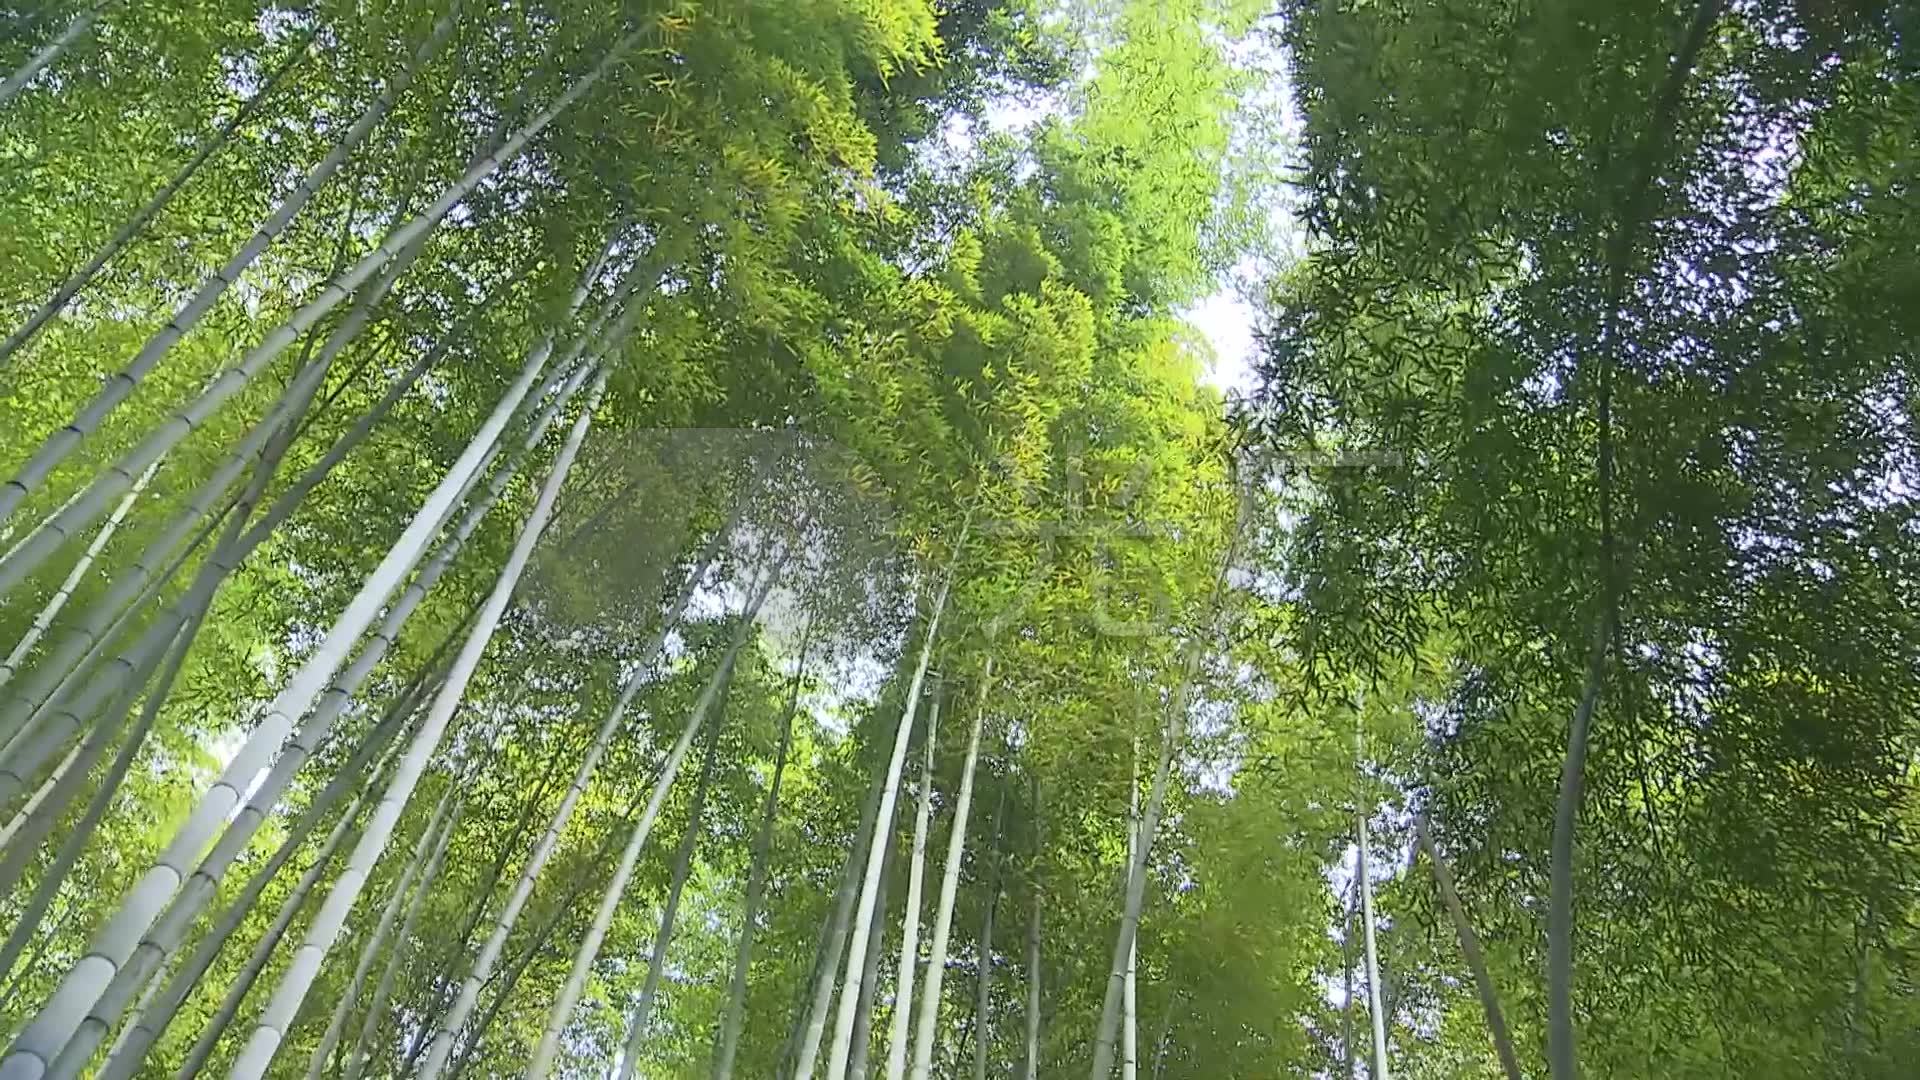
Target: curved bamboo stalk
point(1172, 730)
point(83, 830)
point(1171, 734)
point(66, 1009)
point(423, 850)
point(1470, 951)
point(50, 52)
point(916, 884)
point(670, 910)
point(439, 1052)
point(1563, 1056)
point(258, 1052)
point(121, 385)
point(928, 1019)
point(727, 1043)
point(230, 381)
point(983, 999)
point(40, 795)
point(803, 1043)
point(199, 888)
point(1105, 1036)
point(711, 694)
point(876, 852)
point(541, 936)
point(208, 145)
point(61, 595)
point(383, 990)
point(152, 1019)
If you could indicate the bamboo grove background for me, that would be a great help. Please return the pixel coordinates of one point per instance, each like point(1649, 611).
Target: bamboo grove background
point(691, 539)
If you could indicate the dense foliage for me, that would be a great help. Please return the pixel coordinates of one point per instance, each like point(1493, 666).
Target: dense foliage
point(644, 538)
point(1618, 293)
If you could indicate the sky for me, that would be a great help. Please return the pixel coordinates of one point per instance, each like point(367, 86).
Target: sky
point(1227, 322)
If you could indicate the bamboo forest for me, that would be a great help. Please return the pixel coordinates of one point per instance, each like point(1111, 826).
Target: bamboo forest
point(959, 538)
